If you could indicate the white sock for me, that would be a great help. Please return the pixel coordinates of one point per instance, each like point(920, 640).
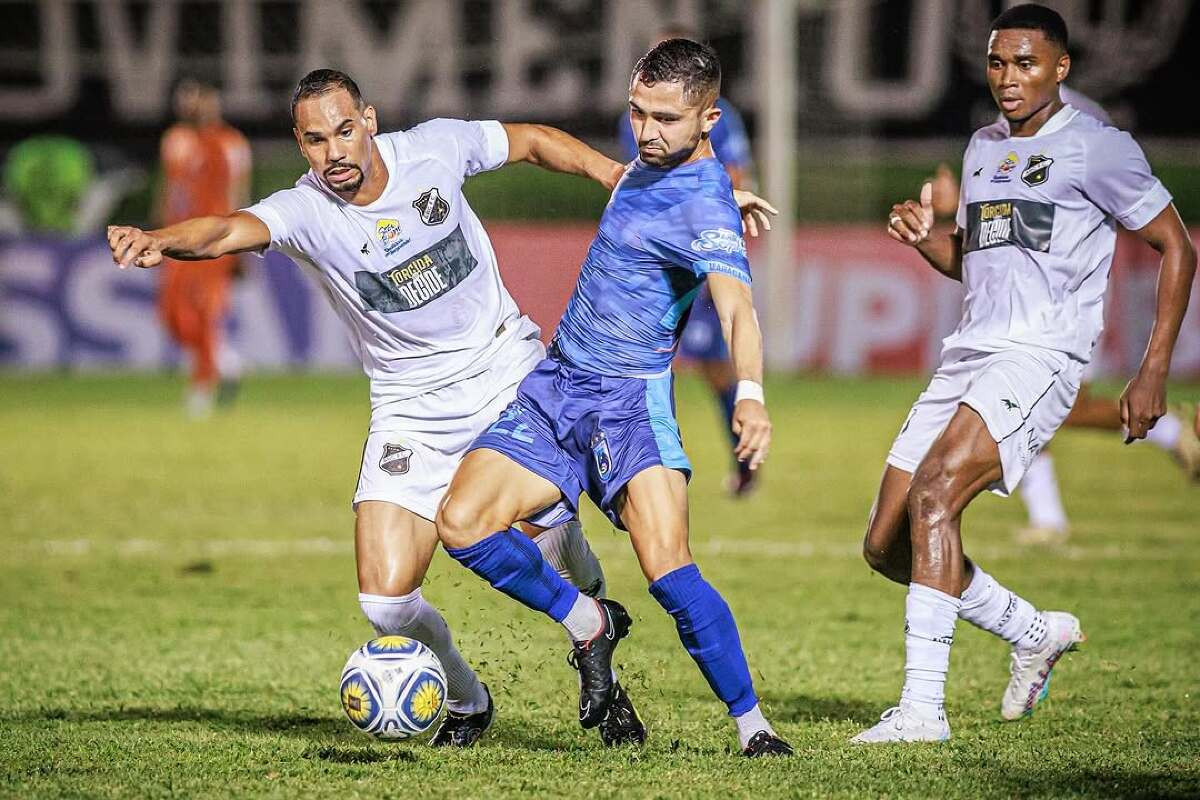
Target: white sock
point(929, 620)
point(1165, 432)
point(412, 616)
point(583, 621)
point(751, 723)
point(988, 605)
point(567, 550)
point(1039, 492)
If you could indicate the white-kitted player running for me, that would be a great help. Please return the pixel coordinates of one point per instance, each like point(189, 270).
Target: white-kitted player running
point(1042, 193)
point(381, 222)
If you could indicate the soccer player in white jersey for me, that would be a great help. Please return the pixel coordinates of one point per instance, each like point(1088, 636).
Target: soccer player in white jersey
point(381, 222)
point(1042, 193)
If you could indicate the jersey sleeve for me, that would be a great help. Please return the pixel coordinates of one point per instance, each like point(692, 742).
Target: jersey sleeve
point(1118, 179)
point(702, 235)
point(288, 215)
point(467, 147)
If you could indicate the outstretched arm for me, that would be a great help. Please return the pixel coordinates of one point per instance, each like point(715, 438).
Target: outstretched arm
point(912, 223)
point(557, 151)
point(194, 239)
point(739, 324)
point(1145, 397)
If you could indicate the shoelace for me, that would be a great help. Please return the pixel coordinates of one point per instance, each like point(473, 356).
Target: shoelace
point(892, 713)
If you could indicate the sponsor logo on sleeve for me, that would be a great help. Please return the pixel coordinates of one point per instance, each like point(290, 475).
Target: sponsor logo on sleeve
point(396, 459)
point(1037, 170)
point(390, 235)
point(432, 206)
point(1009, 223)
point(719, 240)
point(1003, 172)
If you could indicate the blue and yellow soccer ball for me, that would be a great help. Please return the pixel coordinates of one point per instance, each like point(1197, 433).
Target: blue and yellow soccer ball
point(393, 687)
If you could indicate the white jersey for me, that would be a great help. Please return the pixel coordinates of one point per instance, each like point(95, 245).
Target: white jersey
point(412, 275)
point(1038, 216)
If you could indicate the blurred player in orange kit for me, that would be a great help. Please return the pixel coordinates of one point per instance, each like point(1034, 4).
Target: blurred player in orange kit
point(206, 171)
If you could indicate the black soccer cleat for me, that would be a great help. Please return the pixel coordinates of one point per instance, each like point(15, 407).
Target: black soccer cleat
point(464, 730)
point(593, 659)
point(765, 743)
point(621, 724)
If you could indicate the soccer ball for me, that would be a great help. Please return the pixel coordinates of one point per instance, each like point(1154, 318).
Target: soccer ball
point(393, 687)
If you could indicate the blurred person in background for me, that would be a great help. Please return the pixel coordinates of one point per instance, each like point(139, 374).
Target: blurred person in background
point(205, 172)
point(1040, 494)
point(702, 343)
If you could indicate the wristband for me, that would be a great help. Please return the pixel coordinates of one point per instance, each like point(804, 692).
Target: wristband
point(749, 390)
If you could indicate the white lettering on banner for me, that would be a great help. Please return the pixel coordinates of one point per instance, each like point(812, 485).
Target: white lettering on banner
point(389, 65)
point(138, 72)
point(638, 22)
point(527, 40)
point(57, 66)
point(93, 301)
point(910, 95)
point(243, 93)
point(31, 328)
point(876, 307)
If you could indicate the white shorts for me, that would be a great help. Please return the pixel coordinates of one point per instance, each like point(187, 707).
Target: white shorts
point(414, 445)
point(1023, 397)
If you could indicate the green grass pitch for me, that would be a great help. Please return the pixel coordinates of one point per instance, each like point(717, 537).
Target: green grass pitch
point(177, 599)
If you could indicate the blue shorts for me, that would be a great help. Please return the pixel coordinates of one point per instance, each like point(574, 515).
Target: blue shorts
point(585, 432)
point(702, 339)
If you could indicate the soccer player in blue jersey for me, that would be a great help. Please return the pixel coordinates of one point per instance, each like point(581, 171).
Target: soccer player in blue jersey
point(598, 415)
point(702, 341)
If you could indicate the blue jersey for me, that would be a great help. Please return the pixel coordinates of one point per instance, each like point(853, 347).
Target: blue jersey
point(663, 232)
point(729, 140)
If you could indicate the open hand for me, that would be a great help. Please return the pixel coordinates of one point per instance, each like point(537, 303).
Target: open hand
point(753, 427)
point(751, 205)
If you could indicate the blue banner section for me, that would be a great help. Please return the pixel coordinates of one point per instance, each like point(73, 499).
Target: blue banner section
point(65, 305)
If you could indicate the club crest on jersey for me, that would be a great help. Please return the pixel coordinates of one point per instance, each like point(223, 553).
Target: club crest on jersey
point(396, 459)
point(719, 239)
point(432, 207)
point(1037, 170)
point(1003, 172)
point(601, 455)
point(390, 235)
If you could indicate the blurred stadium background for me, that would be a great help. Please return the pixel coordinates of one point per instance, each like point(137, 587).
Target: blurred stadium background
point(873, 95)
point(176, 599)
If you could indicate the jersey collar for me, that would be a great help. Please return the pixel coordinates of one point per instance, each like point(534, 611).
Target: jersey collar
point(1053, 125)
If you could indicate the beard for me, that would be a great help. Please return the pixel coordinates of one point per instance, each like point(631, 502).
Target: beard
point(660, 156)
point(348, 184)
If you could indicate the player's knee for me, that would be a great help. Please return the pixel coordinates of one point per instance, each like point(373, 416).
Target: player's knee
point(461, 523)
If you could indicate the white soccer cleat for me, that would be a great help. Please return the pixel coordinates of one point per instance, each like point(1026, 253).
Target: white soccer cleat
point(1030, 682)
point(900, 724)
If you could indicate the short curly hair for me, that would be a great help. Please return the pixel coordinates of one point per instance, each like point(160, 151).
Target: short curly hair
point(683, 61)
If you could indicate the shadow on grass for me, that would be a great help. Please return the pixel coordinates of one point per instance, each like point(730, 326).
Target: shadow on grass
point(806, 708)
point(361, 754)
point(305, 725)
point(1115, 784)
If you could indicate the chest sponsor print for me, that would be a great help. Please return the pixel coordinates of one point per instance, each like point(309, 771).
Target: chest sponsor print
point(391, 235)
point(1003, 173)
point(1009, 223)
point(420, 279)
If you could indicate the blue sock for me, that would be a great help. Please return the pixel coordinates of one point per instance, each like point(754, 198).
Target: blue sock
point(512, 563)
point(728, 399)
point(709, 634)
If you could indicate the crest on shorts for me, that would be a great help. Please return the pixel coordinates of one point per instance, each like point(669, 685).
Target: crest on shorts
point(432, 207)
point(1037, 170)
point(601, 455)
point(396, 459)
